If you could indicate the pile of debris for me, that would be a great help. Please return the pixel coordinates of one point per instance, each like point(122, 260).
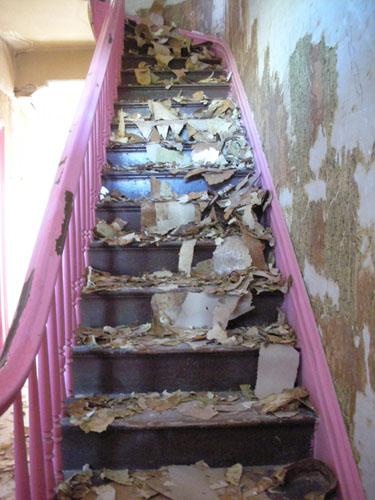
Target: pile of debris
point(308, 479)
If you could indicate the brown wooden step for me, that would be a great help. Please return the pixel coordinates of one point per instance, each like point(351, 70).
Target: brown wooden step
point(303, 480)
point(131, 61)
point(211, 90)
point(153, 439)
point(134, 304)
point(128, 75)
point(131, 128)
point(96, 370)
point(137, 185)
point(142, 107)
point(135, 260)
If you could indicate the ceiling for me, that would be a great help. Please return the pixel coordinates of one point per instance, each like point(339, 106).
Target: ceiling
point(28, 24)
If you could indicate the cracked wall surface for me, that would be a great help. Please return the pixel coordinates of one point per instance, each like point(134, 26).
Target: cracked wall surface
point(308, 72)
point(205, 16)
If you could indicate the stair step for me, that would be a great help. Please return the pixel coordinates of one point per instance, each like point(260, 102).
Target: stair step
point(131, 61)
point(131, 128)
point(142, 107)
point(130, 44)
point(211, 90)
point(98, 370)
point(303, 480)
point(137, 185)
point(152, 439)
point(134, 305)
point(130, 212)
point(128, 75)
point(135, 260)
point(135, 154)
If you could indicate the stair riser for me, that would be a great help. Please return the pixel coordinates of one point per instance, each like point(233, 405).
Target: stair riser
point(214, 91)
point(114, 309)
point(111, 373)
point(131, 61)
point(131, 215)
point(138, 185)
point(130, 43)
point(121, 448)
point(137, 260)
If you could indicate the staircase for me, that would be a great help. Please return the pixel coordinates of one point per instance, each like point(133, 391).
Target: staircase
point(136, 352)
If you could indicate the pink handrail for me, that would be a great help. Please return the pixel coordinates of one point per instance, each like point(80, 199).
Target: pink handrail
point(39, 342)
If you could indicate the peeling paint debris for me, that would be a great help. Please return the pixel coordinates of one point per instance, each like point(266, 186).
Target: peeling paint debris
point(308, 478)
point(68, 207)
point(147, 335)
point(204, 215)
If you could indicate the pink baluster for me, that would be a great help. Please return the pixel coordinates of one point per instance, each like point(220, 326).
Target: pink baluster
point(97, 158)
point(56, 377)
point(68, 317)
point(21, 471)
point(61, 328)
point(92, 176)
point(71, 246)
point(46, 415)
point(37, 478)
point(85, 210)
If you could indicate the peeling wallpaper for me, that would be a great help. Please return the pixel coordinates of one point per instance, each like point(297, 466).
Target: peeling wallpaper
point(308, 71)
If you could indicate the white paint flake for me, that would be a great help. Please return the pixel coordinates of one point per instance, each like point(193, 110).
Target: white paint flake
point(364, 423)
point(286, 203)
point(316, 190)
point(366, 187)
point(319, 286)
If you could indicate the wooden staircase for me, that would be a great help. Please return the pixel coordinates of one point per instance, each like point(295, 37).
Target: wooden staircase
point(151, 438)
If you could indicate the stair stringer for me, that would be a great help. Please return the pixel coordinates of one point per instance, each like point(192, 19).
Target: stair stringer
point(331, 442)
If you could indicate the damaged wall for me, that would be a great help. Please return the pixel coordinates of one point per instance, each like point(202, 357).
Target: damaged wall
point(34, 68)
point(205, 16)
point(307, 68)
point(6, 85)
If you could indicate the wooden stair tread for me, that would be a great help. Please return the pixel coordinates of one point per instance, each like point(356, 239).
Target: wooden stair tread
point(151, 419)
point(150, 245)
point(160, 349)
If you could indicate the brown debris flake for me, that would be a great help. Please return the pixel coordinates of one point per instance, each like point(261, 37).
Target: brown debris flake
point(162, 333)
point(308, 479)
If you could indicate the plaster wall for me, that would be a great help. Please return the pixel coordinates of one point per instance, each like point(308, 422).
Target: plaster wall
point(45, 23)
point(308, 71)
point(205, 16)
point(33, 69)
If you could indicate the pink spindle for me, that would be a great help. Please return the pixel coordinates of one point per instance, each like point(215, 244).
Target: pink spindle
point(71, 247)
point(79, 244)
point(37, 478)
point(21, 470)
point(68, 318)
point(97, 157)
point(60, 333)
point(85, 210)
point(92, 176)
point(55, 379)
point(46, 415)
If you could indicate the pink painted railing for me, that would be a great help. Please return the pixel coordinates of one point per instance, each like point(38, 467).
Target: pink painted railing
point(39, 342)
